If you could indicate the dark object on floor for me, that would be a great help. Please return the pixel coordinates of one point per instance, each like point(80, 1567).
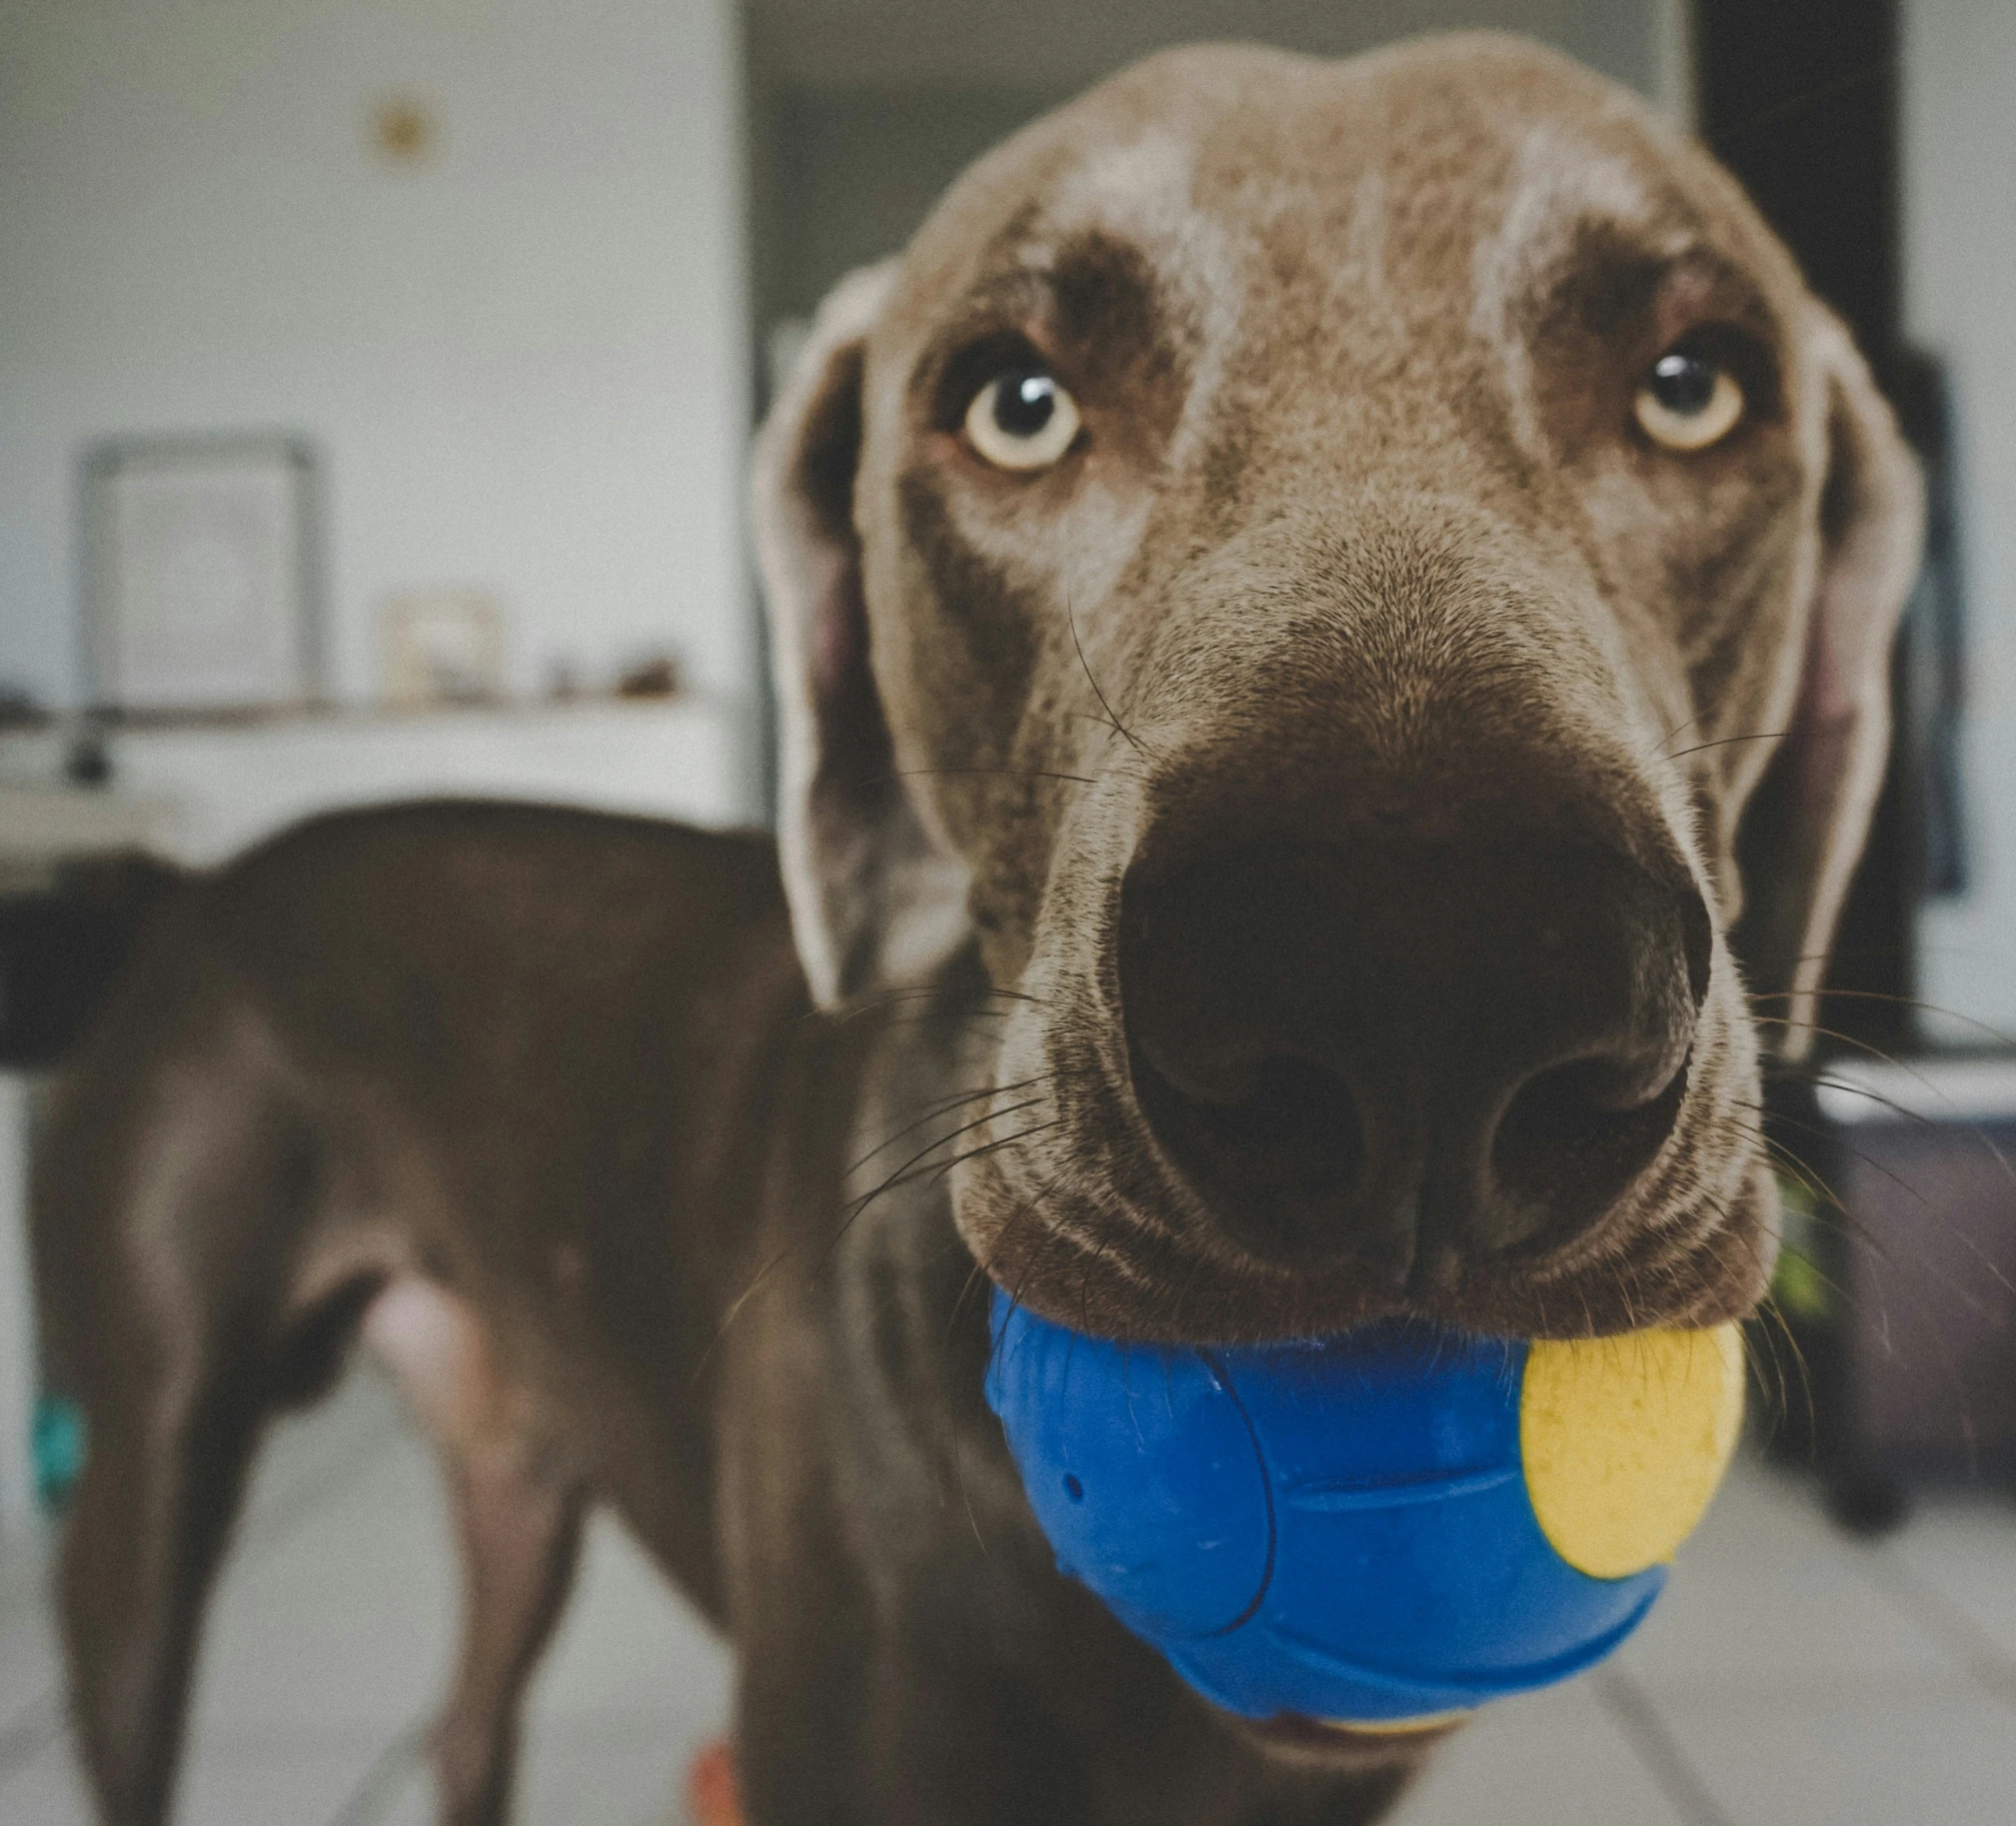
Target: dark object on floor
point(1898, 1281)
point(59, 1445)
point(89, 762)
point(1867, 1503)
point(657, 677)
point(713, 1796)
point(59, 949)
point(18, 709)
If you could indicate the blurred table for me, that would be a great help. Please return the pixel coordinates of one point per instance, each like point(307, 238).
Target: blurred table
point(226, 784)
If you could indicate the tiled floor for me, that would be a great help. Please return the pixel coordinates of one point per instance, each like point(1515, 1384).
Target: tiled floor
point(1787, 1679)
point(330, 1641)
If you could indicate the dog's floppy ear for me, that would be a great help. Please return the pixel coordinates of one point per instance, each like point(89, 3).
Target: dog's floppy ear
point(1804, 833)
point(873, 902)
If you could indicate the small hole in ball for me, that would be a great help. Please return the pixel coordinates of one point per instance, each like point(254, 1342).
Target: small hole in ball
point(1074, 1489)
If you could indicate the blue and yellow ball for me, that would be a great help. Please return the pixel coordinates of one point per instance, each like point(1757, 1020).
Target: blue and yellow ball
point(1380, 1530)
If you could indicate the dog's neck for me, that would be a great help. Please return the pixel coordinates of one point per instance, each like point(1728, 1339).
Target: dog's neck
point(909, 1300)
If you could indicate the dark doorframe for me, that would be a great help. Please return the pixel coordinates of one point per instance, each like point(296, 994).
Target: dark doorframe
point(1801, 99)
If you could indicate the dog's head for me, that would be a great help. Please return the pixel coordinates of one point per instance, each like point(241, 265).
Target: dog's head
point(1302, 565)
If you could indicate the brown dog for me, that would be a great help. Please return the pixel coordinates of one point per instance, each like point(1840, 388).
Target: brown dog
point(1281, 598)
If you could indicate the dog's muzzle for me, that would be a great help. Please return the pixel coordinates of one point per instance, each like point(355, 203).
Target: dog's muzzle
point(1407, 1053)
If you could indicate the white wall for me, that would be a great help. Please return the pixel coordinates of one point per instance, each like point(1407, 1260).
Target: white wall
point(524, 360)
point(1960, 285)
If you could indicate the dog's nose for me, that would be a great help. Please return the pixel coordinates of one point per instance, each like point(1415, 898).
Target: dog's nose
point(1408, 1053)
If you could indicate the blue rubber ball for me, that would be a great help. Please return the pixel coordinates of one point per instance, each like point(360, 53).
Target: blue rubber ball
point(1347, 1530)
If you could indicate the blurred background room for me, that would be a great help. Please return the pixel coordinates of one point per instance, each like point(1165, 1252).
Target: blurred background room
point(377, 380)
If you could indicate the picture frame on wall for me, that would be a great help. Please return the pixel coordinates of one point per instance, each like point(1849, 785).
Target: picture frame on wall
point(201, 579)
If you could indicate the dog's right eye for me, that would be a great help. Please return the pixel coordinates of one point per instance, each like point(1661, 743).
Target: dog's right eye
point(1690, 400)
point(1021, 419)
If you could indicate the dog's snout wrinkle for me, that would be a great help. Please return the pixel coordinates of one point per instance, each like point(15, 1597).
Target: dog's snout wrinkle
point(1407, 1055)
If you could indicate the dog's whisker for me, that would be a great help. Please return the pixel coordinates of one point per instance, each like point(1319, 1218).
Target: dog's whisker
point(988, 1147)
point(980, 1269)
point(1772, 1329)
point(1184, 1289)
point(1779, 1155)
point(1973, 1132)
point(950, 1438)
point(911, 1171)
point(972, 1279)
point(1838, 1215)
point(927, 1017)
point(1869, 1159)
point(977, 1278)
point(1846, 1039)
point(867, 1004)
point(1768, 1308)
point(964, 1129)
point(1981, 1135)
point(892, 1301)
point(1923, 1310)
point(1904, 1001)
point(734, 1311)
point(902, 1175)
point(1680, 728)
point(1083, 780)
point(1835, 87)
point(1132, 740)
point(946, 1108)
point(1014, 1305)
point(1086, 1281)
point(1725, 741)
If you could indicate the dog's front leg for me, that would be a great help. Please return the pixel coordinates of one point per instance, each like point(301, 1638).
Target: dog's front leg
point(1013, 1699)
point(878, 1685)
point(842, 1725)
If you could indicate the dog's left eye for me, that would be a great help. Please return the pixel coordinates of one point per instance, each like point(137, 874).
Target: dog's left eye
point(1688, 401)
point(1021, 419)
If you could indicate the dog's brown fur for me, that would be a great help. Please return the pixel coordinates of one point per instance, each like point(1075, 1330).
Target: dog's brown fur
point(1357, 556)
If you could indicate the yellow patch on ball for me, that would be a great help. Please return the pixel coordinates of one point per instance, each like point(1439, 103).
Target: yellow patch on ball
point(1626, 1440)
